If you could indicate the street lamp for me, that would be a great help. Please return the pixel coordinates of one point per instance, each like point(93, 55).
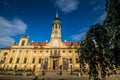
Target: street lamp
point(60, 69)
point(71, 69)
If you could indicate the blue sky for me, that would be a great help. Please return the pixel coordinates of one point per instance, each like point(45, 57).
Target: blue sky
point(34, 18)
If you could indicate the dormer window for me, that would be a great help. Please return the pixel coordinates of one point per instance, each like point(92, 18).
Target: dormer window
point(23, 43)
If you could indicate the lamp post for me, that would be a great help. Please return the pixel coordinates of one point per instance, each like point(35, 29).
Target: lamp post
point(71, 72)
point(60, 69)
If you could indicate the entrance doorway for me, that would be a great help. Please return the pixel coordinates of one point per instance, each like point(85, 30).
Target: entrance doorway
point(55, 64)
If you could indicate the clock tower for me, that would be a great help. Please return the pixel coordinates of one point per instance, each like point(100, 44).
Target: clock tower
point(56, 30)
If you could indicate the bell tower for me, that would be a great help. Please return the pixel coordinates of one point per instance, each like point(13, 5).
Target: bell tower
point(56, 28)
point(56, 32)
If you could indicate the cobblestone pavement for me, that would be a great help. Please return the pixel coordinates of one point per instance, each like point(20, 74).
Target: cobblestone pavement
point(54, 76)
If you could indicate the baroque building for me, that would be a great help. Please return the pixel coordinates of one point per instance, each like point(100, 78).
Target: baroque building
point(41, 55)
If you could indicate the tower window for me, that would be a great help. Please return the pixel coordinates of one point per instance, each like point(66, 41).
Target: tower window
point(59, 26)
point(56, 26)
point(23, 43)
point(15, 67)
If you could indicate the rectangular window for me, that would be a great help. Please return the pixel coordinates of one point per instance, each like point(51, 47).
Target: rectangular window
point(10, 60)
point(70, 60)
point(33, 61)
point(25, 60)
point(15, 67)
point(39, 60)
point(18, 59)
point(77, 60)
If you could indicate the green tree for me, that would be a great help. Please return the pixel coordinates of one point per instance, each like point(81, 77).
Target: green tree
point(101, 45)
point(112, 24)
point(93, 51)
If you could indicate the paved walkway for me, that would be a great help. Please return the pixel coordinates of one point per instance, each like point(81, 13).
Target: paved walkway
point(54, 76)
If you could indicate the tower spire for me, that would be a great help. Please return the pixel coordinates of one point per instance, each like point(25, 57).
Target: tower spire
point(57, 14)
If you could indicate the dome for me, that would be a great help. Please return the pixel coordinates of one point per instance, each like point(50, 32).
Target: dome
point(56, 22)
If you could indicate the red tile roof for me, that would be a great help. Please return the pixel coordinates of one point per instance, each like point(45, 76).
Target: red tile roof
point(9, 47)
point(36, 44)
point(70, 44)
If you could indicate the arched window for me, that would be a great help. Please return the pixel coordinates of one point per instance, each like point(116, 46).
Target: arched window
point(5, 53)
point(56, 26)
point(59, 26)
point(23, 43)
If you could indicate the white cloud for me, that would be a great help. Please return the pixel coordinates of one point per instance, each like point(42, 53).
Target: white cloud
point(102, 17)
point(78, 36)
point(8, 29)
point(99, 7)
point(5, 41)
point(67, 5)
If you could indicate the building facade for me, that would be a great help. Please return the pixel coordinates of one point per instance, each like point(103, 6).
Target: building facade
point(41, 55)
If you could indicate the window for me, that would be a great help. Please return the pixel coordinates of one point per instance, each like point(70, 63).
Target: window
point(56, 26)
point(5, 53)
point(39, 60)
point(33, 61)
point(63, 51)
point(23, 43)
point(70, 51)
point(76, 51)
point(10, 60)
point(40, 51)
point(25, 60)
point(13, 51)
point(18, 59)
point(15, 67)
point(27, 51)
point(20, 51)
point(59, 26)
point(47, 51)
point(77, 60)
point(70, 60)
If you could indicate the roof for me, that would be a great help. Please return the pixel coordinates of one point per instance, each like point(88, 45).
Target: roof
point(70, 44)
point(42, 44)
point(56, 22)
point(9, 47)
point(36, 44)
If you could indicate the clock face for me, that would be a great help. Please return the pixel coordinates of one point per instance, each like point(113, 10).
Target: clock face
point(55, 42)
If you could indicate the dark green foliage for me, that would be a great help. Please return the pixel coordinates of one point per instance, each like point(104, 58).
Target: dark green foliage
point(101, 45)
